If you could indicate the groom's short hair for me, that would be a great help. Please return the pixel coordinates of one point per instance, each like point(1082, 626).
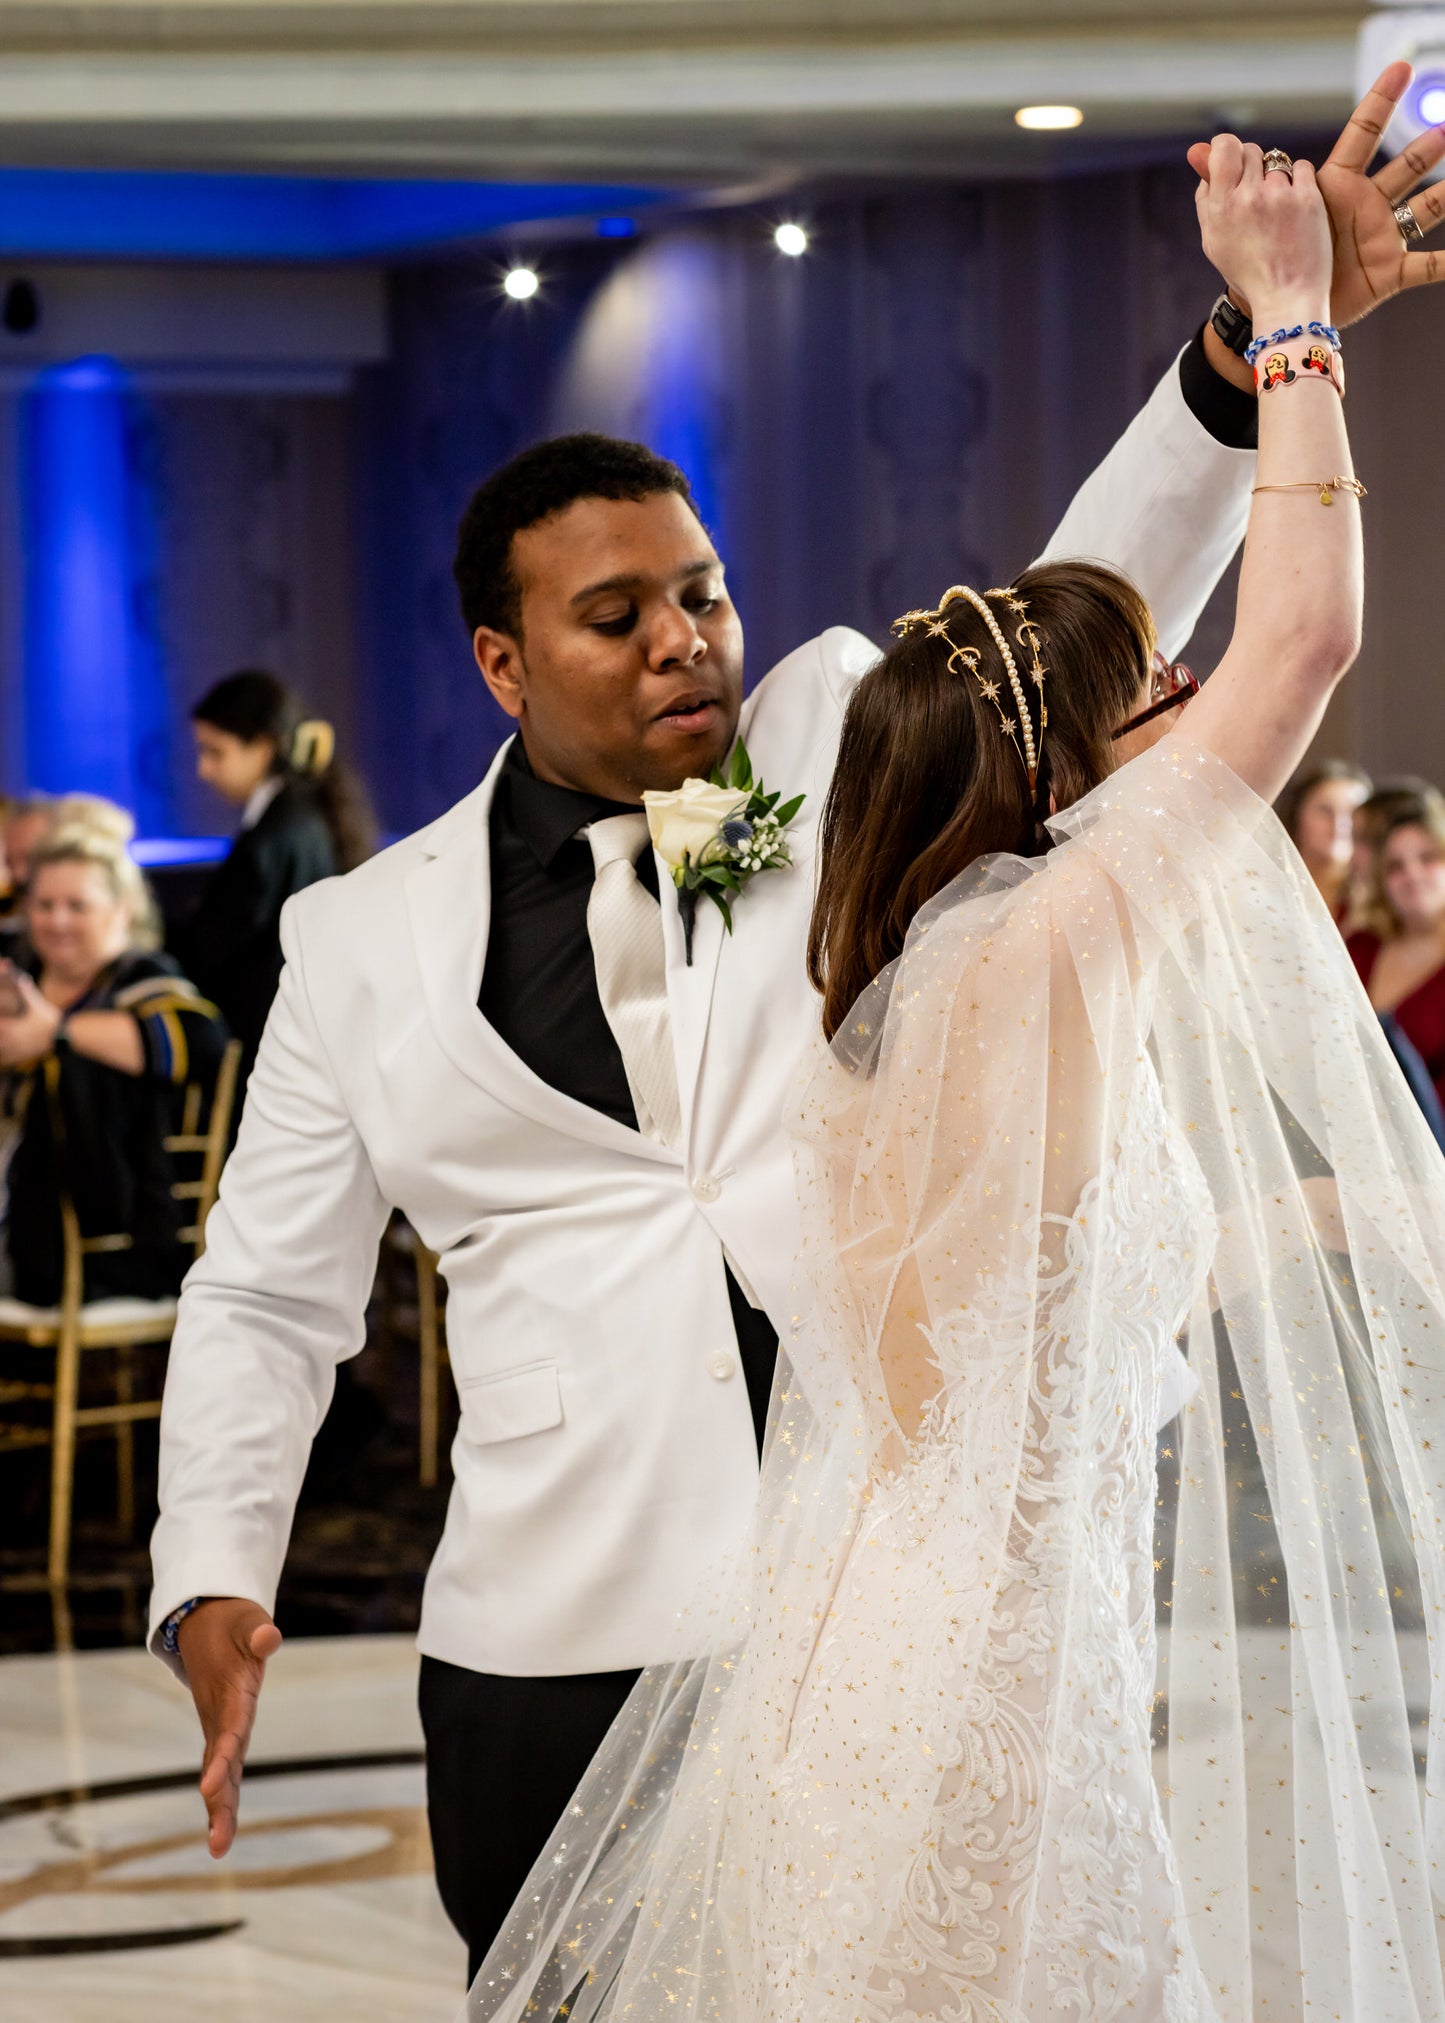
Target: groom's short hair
point(538, 482)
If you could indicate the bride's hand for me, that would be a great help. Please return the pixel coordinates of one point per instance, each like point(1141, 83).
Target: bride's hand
point(1269, 233)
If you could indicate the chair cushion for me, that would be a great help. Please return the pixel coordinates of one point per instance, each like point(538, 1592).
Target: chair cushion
point(121, 1312)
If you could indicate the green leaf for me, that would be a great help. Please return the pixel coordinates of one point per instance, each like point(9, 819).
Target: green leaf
point(790, 808)
point(765, 803)
point(724, 906)
point(741, 774)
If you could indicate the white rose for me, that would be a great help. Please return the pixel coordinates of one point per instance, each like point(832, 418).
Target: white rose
point(684, 822)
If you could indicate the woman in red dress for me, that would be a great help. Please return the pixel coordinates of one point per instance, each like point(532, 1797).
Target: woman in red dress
point(1401, 957)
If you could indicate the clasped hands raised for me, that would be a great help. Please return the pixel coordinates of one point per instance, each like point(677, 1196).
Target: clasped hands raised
point(1263, 230)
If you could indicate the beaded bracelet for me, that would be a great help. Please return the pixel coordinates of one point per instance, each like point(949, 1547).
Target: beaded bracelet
point(171, 1628)
point(1257, 346)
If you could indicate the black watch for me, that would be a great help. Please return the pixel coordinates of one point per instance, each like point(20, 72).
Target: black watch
point(1232, 327)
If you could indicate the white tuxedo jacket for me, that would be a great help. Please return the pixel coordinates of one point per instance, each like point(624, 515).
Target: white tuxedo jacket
point(605, 1455)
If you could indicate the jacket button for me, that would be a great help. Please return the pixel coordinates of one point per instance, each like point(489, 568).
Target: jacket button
point(705, 1188)
point(721, 1367)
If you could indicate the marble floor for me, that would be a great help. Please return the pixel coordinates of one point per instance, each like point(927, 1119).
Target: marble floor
point(112, 1912)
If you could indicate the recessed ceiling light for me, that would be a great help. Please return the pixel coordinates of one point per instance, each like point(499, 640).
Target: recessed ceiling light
point(521, 283)
point(1048, 118)
point(791, 239)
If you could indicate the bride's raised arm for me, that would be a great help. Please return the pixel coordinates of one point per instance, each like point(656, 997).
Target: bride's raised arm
point(1297, 618)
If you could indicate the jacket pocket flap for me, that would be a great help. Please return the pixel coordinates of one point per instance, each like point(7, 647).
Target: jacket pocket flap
point(512, 1405)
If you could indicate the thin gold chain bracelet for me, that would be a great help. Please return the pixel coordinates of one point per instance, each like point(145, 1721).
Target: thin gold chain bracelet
point(1326, 487)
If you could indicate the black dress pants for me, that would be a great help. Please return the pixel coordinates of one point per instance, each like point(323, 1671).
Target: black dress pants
point(503, 1758)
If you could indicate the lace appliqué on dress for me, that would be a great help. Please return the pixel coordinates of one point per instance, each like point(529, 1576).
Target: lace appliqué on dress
point(1007, 1781)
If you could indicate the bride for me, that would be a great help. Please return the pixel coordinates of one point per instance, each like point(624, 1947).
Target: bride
point(1100, 1079)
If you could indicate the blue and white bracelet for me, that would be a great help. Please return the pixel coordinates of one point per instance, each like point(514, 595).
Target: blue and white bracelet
point(1257, 346)
point(171, 1627)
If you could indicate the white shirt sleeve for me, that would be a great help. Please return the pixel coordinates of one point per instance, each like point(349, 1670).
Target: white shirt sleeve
point(1167, 507)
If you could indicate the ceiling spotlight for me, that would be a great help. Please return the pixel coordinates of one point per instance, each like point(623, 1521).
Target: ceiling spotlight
point(791, 239)
point(1048, 118)
point(1430, 100)
point(521, 283)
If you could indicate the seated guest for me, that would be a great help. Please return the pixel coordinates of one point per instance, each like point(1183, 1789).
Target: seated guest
point(304, 817)
point(1400, 954)
point(25, 822)
point(97, 1035)
point(94, 811)
point(8, 903)
point(1390, 802)
point(1318, 810)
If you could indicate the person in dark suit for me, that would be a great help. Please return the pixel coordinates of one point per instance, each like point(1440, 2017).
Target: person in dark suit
point(304, 817)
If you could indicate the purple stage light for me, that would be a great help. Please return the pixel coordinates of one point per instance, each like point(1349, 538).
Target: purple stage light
point(1428, 98)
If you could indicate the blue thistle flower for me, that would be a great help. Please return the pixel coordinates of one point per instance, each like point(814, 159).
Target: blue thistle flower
point(736, 831)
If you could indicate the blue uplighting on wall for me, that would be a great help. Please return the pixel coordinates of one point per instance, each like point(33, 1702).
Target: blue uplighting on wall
point(172, 853)
point(146, 214)
point(683, 418)
point(80, 729)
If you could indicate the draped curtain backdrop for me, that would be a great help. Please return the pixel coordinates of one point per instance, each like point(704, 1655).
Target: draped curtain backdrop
point(911, 403)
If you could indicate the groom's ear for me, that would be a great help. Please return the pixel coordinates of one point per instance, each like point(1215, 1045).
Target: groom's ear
point(499, 656)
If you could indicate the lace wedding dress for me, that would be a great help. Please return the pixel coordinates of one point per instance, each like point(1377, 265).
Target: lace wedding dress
point(902, 1765)
point(1024, 1835)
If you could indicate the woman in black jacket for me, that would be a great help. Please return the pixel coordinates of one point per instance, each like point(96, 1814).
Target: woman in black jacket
point(98, 1037)
point(305, 817)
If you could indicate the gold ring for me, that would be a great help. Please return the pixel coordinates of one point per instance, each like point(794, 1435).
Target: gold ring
point(1410, 226)
point(1278, 159)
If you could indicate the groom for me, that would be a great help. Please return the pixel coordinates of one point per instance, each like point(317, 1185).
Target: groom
point(495, 1026)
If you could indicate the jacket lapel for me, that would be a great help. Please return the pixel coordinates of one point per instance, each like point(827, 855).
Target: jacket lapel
point(448, 899)
point(689, 989)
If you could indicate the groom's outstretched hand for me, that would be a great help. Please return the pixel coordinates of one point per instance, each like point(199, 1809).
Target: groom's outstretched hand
point(224, 1645)
point(1371, 261)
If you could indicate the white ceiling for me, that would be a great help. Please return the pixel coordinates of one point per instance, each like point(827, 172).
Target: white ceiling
point(718, 92)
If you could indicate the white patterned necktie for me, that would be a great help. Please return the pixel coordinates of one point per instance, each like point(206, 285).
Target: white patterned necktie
point(624, 924)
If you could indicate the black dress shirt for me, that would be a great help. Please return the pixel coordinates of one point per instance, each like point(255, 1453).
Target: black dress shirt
point(539, 982)
point(539, 985)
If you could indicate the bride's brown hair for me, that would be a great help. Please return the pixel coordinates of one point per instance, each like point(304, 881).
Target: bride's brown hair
point(926, 780)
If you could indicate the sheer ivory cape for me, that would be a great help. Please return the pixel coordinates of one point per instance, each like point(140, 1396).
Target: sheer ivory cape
point(1127, 1091)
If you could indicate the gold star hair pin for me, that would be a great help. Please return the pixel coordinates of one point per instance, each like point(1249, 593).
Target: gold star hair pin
point(966, 658)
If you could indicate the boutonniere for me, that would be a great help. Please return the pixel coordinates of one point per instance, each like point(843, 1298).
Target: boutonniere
point(716, 834)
